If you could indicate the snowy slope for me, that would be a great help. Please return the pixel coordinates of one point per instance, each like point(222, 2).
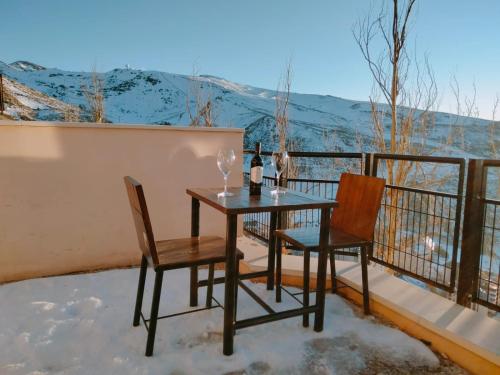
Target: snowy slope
point(135, 96)
point(22, 102)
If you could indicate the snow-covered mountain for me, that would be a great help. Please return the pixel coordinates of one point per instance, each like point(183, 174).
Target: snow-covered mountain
point(317, 122)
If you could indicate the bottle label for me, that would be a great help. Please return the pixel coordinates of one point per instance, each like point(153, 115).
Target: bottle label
point(256, 174)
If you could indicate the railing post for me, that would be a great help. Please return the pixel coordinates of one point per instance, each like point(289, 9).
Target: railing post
point(2, 108)
point(369, 160)
point(471, 233)
point(458, 219)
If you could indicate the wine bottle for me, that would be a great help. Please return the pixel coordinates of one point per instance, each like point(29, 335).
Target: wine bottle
point(256, 172)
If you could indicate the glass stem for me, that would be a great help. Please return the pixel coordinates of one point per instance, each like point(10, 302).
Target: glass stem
point(278, 175)
point(225, 184)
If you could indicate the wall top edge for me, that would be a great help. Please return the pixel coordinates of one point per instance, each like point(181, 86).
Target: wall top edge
point(42, 124)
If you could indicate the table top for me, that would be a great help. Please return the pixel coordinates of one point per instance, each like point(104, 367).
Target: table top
point(242, 203)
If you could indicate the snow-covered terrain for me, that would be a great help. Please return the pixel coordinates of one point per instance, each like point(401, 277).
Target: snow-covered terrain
point(82, 324)
point(317, 122)
point(23, 102)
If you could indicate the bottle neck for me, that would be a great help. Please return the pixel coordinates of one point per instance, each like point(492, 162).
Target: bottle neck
point(257, 149)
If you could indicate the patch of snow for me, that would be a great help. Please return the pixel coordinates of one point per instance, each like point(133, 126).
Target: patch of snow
point(26, 66)
point(83, 325)
point(12, 112)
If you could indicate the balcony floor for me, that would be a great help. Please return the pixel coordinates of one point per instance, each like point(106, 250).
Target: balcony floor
point(81, 324)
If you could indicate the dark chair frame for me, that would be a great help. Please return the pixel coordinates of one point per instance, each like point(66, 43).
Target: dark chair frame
point(150, 256)
point(344, 241)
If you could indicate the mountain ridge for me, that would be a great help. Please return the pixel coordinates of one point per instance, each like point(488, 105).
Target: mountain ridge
point(154, 97)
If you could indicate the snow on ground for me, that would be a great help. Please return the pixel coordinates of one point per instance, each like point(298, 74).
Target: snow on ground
point(82, 325)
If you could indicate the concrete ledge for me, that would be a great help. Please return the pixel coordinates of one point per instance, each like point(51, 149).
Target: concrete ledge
point(469, 338)
point(41, 124)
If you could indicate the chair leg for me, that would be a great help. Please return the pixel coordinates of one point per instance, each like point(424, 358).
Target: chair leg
point(278, 269)
point(154, 313)
point(333, 272)
point(305, 295)
point(236, 291)
point(210, 285)
point(140, 291)
point(193, 289)
point(370, 253)
point(364, 277)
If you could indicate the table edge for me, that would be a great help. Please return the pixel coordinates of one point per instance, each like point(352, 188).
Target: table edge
point(250, 210)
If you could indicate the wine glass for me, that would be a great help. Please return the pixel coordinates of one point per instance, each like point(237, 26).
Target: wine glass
point(279, 161)
point(225, 161)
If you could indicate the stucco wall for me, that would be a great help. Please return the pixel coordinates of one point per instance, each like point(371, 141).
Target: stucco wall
point(63, 203)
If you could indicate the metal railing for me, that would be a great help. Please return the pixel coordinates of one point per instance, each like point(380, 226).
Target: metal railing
point(257, 224)
point(480, 264)
point(418, 229)
point(297, 178)
point(418, 232)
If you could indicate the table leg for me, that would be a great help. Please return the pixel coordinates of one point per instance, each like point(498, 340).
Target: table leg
point(322, 264)
point(271, 251)
point(195, 232)
point(279, 256)
point(230, 284)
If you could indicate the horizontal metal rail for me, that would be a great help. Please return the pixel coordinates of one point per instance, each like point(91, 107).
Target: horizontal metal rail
point(319, 181)
point(491, 163)
point(256, 298)
point(423, 191)
point(420, 158)
point(293, 295)
point(274, 317)
point(217, 305)
point(491, 201)
point(312, 154)
point(242, 276)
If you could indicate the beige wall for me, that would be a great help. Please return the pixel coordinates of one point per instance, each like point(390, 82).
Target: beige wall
point(63, 203)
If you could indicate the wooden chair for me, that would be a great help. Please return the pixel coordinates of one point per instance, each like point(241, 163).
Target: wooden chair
point(168, 255)
point(352, 226)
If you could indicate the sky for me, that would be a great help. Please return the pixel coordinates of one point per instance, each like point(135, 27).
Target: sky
point(251, 42)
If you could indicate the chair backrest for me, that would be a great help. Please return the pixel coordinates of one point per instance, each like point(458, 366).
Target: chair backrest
point(141, 218)
point(359, 199)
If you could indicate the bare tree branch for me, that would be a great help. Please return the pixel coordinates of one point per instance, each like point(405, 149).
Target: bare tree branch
point(95, 97)
point(281, 111)
point(203, 114)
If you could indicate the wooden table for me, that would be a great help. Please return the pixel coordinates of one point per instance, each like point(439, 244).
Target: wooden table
point(243, 203)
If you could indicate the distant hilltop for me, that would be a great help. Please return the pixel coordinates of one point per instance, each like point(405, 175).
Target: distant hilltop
point(26, 66)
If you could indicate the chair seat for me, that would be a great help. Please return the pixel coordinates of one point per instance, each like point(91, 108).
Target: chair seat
point(191, 251)
point(308, 238)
